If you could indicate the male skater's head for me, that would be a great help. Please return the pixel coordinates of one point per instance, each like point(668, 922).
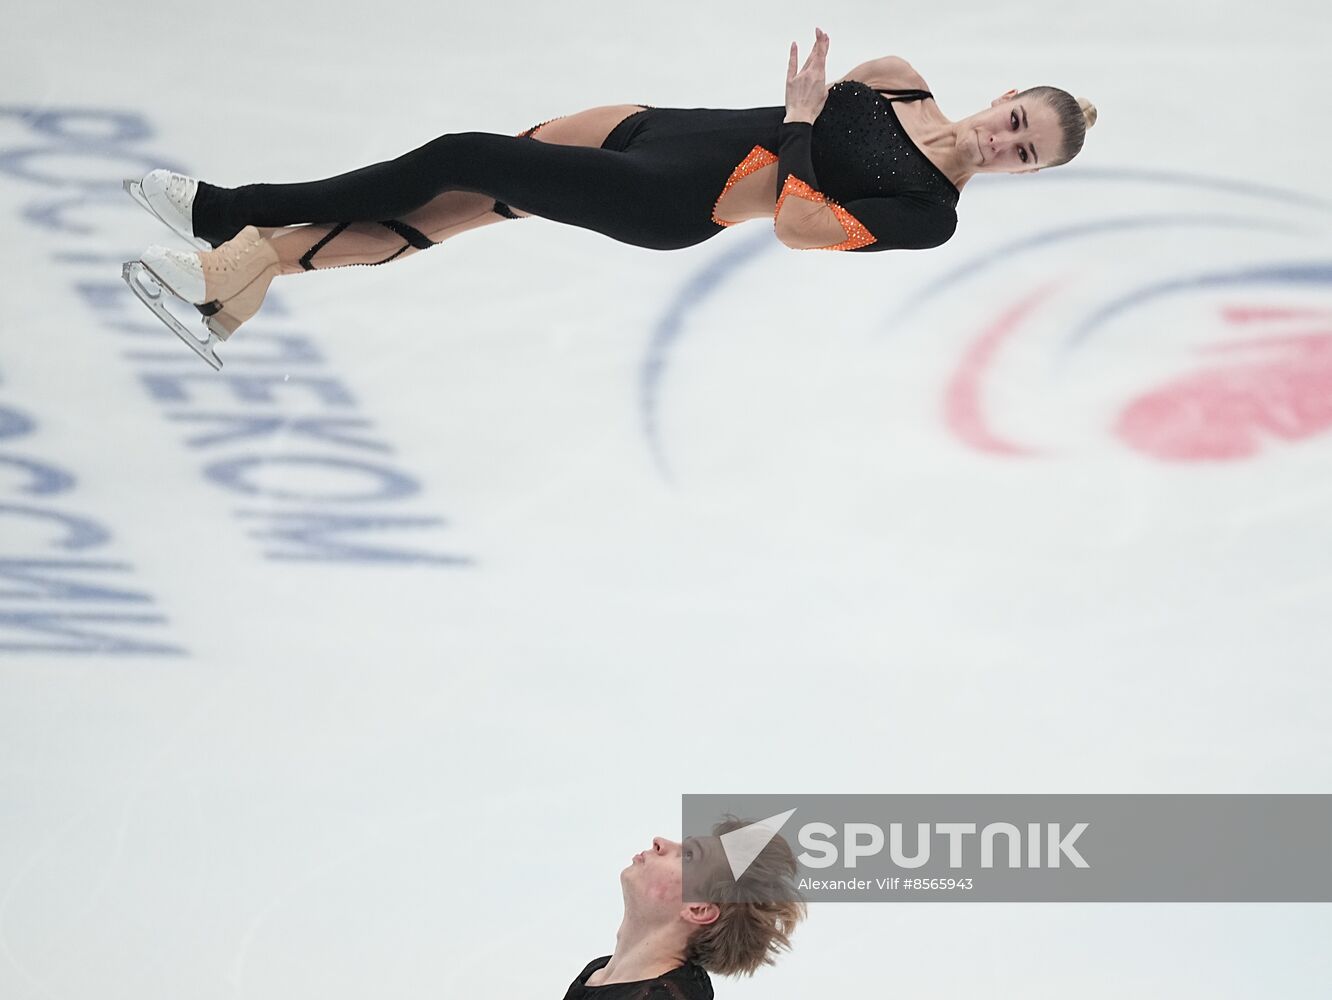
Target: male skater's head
point(749, 928)
point(671, 944)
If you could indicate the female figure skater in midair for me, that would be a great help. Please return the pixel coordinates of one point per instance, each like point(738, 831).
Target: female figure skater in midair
point(870, 163)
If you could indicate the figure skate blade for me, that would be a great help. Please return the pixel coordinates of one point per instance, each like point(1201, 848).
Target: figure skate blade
point(152, 292)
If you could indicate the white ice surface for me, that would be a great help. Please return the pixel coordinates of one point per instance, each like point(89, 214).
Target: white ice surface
point(421, 781)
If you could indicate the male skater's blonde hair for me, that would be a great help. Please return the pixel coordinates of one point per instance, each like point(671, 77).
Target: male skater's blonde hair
point(758, 913)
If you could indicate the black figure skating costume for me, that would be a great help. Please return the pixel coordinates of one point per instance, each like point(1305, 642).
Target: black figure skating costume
point(655, 182)
point(686, 982)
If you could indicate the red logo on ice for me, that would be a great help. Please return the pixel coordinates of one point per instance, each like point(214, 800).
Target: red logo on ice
point(1275, 385)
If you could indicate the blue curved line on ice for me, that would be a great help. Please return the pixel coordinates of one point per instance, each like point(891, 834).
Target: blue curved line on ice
point(670, 327)
point(1005, 253)
point(1300, 273)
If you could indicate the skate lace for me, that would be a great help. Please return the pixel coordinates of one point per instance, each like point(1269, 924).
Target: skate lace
point(228, 256)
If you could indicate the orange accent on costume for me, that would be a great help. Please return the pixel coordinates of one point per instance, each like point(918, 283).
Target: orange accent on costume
point(856, 234)
point(757, 158)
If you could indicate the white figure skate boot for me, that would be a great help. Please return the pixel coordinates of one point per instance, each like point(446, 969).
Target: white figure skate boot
point(170, 197)
point(226, 285)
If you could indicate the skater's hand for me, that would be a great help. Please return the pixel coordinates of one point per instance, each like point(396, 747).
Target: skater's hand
point(806, 91)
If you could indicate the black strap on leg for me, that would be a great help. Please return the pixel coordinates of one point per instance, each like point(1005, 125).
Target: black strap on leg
point(307, 262)
point(413, 236)
point(392, 256)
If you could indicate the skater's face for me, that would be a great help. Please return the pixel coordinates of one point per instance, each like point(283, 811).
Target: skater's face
point(653, 881)
point(1015, 135)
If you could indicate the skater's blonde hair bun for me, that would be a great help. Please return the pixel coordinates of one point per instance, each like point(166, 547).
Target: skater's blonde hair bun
point(1088, 111)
